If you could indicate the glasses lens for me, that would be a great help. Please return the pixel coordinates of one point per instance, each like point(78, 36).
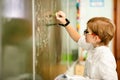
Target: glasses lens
point(86, 31)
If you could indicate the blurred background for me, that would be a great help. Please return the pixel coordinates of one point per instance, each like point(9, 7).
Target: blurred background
point(34, 47)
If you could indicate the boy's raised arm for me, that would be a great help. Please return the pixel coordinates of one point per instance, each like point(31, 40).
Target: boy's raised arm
point(60, 16)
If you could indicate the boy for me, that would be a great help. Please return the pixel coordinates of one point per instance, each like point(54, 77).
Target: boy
point(100, 63)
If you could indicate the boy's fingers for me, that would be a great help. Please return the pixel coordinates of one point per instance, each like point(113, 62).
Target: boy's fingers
point(60, 14)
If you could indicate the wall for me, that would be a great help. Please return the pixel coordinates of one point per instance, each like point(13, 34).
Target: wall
point(90, 9)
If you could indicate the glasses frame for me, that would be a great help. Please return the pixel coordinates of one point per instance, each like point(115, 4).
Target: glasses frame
point(91, 33)
point(87, 32)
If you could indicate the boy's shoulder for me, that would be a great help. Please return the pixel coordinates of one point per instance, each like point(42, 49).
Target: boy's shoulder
point(103, 48)
point(105, 52)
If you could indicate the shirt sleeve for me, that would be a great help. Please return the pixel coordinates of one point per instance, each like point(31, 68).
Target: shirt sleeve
point(83, 44)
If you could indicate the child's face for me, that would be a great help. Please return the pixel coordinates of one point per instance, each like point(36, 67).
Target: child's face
point(91, 37)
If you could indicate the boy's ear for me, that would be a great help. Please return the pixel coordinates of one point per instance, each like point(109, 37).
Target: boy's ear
point(97, 38)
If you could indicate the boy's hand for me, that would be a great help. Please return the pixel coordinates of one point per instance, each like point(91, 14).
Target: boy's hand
point(61, 17)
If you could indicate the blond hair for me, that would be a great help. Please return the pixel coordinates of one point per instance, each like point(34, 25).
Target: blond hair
point(103, 27)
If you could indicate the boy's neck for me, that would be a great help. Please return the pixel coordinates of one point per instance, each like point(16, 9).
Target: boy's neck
point(97, 45)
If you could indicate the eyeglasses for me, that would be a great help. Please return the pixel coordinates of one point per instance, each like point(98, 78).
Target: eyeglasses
point(91, 33)
point(87, 32)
